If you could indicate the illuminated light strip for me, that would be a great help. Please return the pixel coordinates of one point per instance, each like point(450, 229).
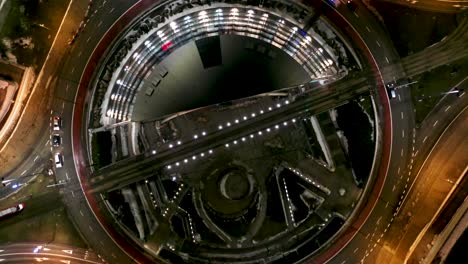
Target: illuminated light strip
point(278, 37)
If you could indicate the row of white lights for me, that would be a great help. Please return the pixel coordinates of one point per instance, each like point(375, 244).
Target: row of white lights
point(235, 142)
point(202, 15)
point(179, 191)
point(252, 115)
point(228, 124)
point(289, 201)
point(318, 185)
point(185, 161)
point(260, 132)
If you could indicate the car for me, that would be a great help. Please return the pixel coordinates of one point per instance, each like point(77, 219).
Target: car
point(351, 5)
point(58, 158)
point(56, 140)
point(391, 92)
point(57, 122)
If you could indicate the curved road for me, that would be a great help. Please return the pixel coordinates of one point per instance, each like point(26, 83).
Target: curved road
point(384, 53)
point(70, 77)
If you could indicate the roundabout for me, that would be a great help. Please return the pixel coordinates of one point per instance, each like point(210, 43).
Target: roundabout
point(237, 180)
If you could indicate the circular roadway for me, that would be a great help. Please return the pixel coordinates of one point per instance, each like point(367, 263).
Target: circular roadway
point(124, 20)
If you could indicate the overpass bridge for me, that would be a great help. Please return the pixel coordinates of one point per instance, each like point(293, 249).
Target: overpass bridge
point(453, 6)
point(312, 101)
point(451, 48)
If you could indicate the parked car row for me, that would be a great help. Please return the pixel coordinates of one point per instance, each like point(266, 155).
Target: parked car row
point(57, 140)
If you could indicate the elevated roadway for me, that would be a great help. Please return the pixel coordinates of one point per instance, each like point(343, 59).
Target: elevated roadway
point(451, 48)
point(440, 6)
point(125, 172)
point(47, 253)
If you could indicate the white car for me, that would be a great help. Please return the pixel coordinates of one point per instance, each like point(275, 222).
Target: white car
point(391, 93)
point(58, 158)
point(57, 122)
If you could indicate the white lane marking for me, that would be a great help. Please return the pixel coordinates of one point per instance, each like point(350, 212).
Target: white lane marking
point(399, 98)
point(387, 60)
point(47, 143)
point(401, 154)
point(399, 170)
point(79, 53)
point(343, 262)
point(90, 228)
point(63, 105)
point(386, 205)
point(111, 10)
point(402, 116)
point(378, 43)
point(355, 250)
point(368, 29)
point(424, 140)
point(461, 95)
point(81, 213)
point(23, 172)
point(355, 14)
point(448, 107)
point(403, 133)
point(73, 194)
point(73, 69)
point(36, 158)
point(435, 123)
point(66, 88)
point(66, 175)
point(99, 24)
point(88, 39)
point(101, 243)
point(378, 220)
point(393, 189)
point(416, 153)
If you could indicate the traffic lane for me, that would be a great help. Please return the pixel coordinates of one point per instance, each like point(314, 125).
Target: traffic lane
point(441, 169)
point(49, 248)
point(375, 37)
point(29, 257)
point(74, 199)
point(371, 235)
point(36, 162)
point(80, 51)
point(63, 104)
point(445, 6)
point(386, 123)
point(79, 104)
point(402, 147)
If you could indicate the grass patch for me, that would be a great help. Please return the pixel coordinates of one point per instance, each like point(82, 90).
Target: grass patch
point(35, 19)
point(428, 91)
point(411, 29)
